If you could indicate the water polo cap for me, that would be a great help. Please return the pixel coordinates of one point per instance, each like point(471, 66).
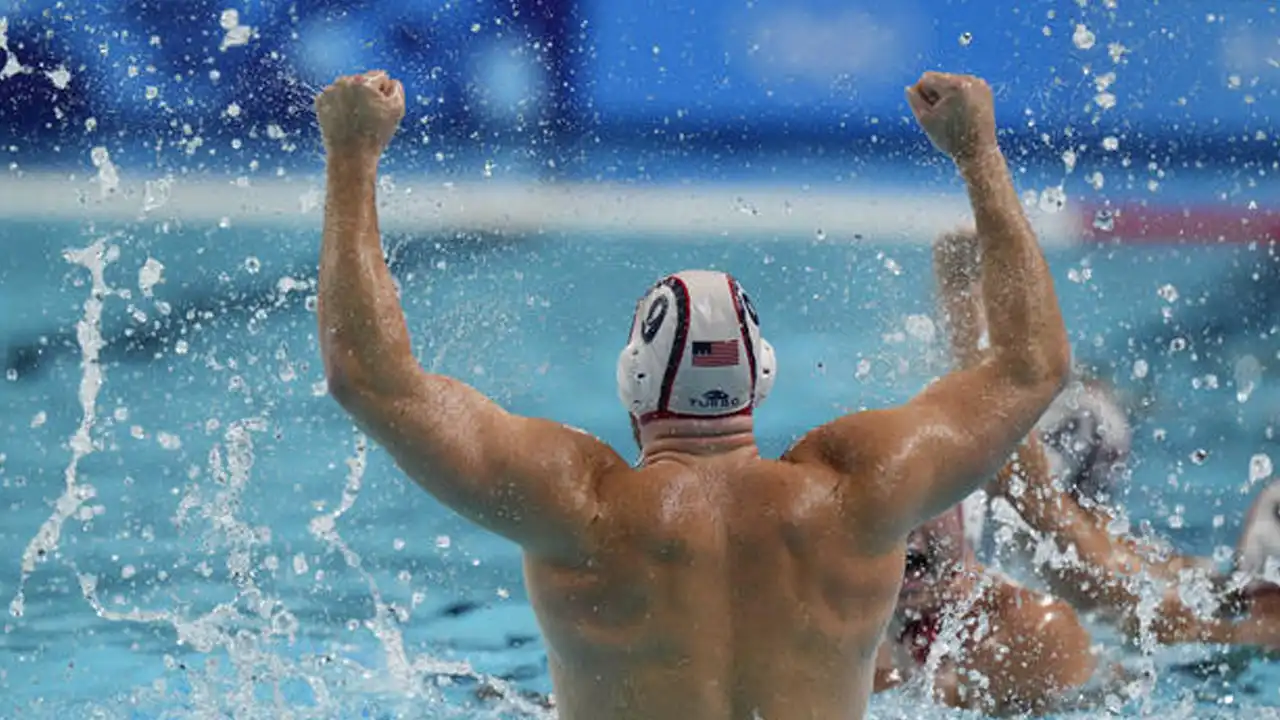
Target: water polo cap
point(695, 351)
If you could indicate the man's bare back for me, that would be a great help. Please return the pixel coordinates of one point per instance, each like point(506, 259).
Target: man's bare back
point(711, 588)
point(707, 583)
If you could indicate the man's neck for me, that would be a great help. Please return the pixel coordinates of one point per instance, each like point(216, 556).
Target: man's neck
point(684, 439)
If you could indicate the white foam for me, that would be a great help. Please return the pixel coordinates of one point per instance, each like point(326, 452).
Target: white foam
point(602, 210)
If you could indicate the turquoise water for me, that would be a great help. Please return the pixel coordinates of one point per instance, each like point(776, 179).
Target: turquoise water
point(216, 456)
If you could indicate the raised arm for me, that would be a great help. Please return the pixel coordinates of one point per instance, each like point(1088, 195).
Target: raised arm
point(930, 453)
point(530, 480)
point(957, 276)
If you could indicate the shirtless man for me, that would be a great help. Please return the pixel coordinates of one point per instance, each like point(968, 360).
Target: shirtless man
point(1011, 650)
point(706, 583)
point(1111, 573)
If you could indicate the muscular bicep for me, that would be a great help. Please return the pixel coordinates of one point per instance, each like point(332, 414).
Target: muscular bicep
point(930, 453)
point(530, 480)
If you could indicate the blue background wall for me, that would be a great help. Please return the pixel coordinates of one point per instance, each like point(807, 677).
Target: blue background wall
point(1192, 80)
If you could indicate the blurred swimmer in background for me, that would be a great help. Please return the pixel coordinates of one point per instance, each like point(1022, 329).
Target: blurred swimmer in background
point(987, 643)
point(1062, 484)
point(982, 640)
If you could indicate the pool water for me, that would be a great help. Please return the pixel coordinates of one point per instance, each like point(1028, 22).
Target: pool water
point(241, 555)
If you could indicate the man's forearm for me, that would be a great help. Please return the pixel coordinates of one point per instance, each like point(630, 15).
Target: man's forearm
point(363, 337)
point(1023, 319)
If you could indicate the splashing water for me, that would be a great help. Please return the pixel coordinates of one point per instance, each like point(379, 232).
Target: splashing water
point(257, 661)
point(11, 66)
point(93, 258)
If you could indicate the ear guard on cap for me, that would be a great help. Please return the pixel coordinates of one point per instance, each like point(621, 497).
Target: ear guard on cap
point(695, 351)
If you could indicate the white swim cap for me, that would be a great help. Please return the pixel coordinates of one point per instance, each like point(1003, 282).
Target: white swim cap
point(695, 351)
point(1087, 437)
point(1260, 536)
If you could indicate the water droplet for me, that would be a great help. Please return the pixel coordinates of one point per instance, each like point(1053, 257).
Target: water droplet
point(59, 76)
point(149, 275)
point(1053, 199)
point(1069, 160)
point(864, 369)
point(1248, 372)
point(1140, 369)
point(1260, 468)
point(1083, 38)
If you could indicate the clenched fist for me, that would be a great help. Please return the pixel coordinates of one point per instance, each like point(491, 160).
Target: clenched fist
point(957, 112)
point(359, 114)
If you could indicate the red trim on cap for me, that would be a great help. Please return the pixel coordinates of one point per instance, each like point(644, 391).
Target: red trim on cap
point(671, 415)
point(745, 331)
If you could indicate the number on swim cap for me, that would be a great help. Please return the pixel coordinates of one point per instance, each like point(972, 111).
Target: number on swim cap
point(653, 321)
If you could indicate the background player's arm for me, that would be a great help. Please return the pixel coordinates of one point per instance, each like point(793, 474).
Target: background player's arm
point(530, 480)
point(933, 451)
point(1039, 653)
point(1108, 568)
point(1101, 577)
